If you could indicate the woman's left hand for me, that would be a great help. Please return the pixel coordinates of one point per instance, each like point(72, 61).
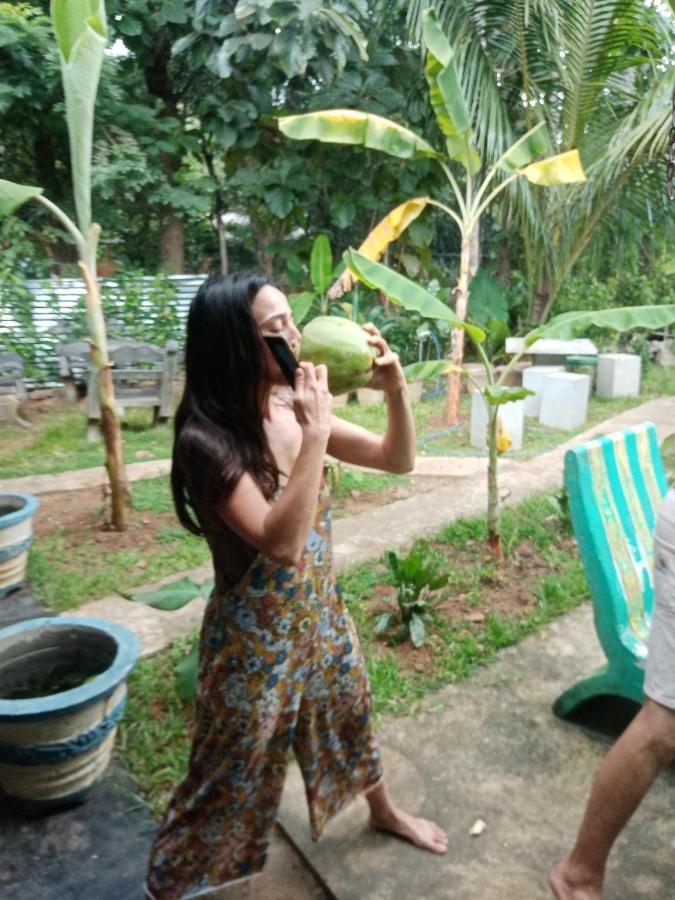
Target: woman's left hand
point(388, 372)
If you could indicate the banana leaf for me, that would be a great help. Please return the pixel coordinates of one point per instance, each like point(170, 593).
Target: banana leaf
point(12, 196)
point(623, 318)
point(300, 305)
point(350, 126)
point(495, 396)
point(386, 232)
point(321, 264)
point(523, 151)
point(446, 95)
point(565, 168)
point(406, 293)
point(81, 33)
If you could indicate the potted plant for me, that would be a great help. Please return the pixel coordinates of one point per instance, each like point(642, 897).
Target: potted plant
point(16, 536)
point(62, 694)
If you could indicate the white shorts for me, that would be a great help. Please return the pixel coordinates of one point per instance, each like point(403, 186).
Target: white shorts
point(660, 670)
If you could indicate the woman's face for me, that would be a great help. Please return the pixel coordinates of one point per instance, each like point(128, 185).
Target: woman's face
point(273, 316)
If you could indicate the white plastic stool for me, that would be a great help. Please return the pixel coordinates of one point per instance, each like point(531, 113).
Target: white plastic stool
point(618, 375)
point(564, 400)
point(533, 379)
point(511, 414)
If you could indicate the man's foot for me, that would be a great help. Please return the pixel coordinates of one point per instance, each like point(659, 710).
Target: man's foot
point(420, 832)
point(565, 889)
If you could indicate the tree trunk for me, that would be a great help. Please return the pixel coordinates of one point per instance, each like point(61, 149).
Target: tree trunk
point(171, 241)
point(468, 264)
point(222, 243)
point(541, 300)
point(504, 264)
point(110, 426)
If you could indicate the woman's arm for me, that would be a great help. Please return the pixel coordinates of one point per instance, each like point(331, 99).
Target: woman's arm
point(280, 529)
point(395, 451)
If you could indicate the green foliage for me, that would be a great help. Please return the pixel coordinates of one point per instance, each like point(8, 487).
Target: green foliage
point(175, 594)
point(415, 576)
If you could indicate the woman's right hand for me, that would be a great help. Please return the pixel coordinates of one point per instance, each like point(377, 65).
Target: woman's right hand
point(312, 400)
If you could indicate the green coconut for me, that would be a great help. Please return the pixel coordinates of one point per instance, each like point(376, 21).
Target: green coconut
point(342, 346)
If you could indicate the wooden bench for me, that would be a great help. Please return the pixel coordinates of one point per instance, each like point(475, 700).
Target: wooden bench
point(12, 388)
point(143, 376)
point(615, 486)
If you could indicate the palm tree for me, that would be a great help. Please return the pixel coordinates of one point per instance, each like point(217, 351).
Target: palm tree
point(600, 74)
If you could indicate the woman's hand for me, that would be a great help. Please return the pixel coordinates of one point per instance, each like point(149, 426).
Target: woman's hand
point(312, 401)
point(388, 372)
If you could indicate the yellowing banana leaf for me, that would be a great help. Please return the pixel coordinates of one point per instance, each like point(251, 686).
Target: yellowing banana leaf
point(406, 293)
point(565, 168)
point(524, 150)
point(350, 126)
point(446, 95)
point(623, 318)
point(13, 195)
point(385, 232)
point(80, 28)
point(431, 368)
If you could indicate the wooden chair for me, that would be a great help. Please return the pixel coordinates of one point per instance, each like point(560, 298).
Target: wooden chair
point(615, 486)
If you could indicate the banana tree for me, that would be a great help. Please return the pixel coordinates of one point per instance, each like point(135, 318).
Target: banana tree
point(81, 32)
point(411, 296)
point(347, 126)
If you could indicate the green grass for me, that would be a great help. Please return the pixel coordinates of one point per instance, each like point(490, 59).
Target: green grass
point(155, 734)
point(58, 443)
point(344, 480)
point(66, 569)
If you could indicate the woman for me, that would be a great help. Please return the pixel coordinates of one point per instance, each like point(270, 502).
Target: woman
point(280, 666)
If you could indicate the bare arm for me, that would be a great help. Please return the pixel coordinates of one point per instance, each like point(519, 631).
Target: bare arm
point(280, 529)
point(395, 450)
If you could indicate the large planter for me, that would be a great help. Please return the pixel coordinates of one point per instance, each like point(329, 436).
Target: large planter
point(16, 535)
point(62, 694)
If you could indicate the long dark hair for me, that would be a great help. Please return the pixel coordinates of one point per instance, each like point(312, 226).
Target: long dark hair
point(219, 422)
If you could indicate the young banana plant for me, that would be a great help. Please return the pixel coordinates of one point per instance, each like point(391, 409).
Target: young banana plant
point(472, 194)
point(81, 34)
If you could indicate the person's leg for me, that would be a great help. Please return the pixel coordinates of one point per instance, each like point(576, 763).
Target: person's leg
point(386, 816)
point(628, 771)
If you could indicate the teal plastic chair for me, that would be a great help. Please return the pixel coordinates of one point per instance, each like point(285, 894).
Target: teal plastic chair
point(615, 486)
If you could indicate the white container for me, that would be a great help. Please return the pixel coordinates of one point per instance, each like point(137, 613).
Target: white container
point(564, 400)
point(533, 379)
point(511, 414)
point(618, 375)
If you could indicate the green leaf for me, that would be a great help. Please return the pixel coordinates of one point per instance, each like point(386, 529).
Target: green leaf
point(496, 396)
point(12, 196)
point(446, 95)
point(279, 201)
point(321, 264)
point(300, 305)
point(207, 587)
point(487, 299)
point(171, 596)
point(406, 293)
point(623, 318)
point(417, 630)
point(432, 368)
point(383, 622)
point(186, 674)
point(81, 33)
point(524, 150)
point(349, 126)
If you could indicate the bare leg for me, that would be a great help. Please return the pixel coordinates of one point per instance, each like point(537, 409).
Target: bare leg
point(645, 748)
point(388, 817)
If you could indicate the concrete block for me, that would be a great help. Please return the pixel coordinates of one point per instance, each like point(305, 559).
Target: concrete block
point(511, 414)
point(618, 375)
point(533, 380)
point(564, 400)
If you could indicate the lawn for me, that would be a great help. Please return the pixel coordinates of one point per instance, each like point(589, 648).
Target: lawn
point(58, 444)
point(483, 608)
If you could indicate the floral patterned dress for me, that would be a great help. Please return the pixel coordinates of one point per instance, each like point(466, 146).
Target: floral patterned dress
point(280, 669)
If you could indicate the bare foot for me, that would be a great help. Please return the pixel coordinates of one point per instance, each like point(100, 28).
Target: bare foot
point(564, 889)
point(420, 832)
